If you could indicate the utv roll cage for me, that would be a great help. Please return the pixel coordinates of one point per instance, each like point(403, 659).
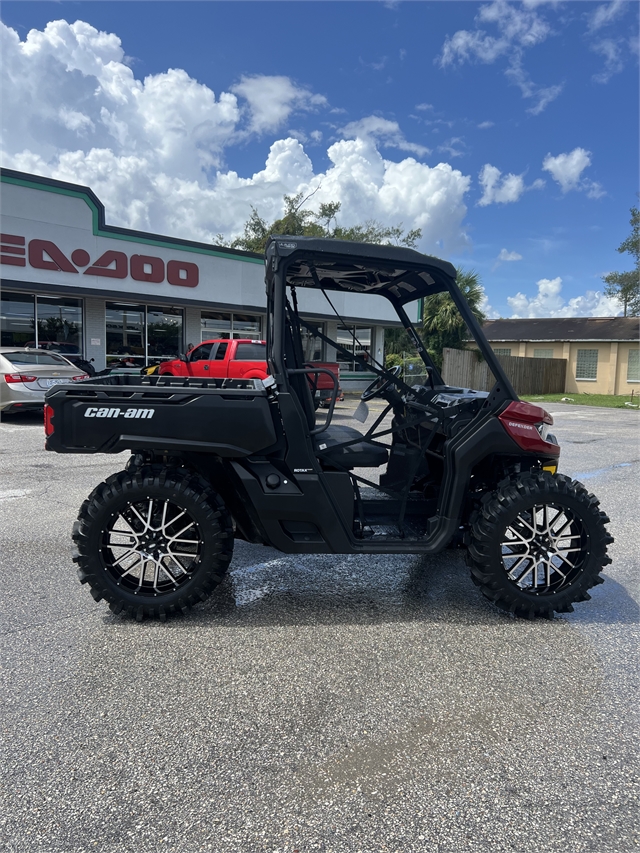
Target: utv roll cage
point(402, 276)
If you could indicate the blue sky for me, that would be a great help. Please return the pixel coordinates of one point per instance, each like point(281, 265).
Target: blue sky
point(507, 131)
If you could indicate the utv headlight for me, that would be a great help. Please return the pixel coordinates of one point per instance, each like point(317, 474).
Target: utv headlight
point(543, 429)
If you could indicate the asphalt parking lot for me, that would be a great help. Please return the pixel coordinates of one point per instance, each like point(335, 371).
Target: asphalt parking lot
point(316, 703)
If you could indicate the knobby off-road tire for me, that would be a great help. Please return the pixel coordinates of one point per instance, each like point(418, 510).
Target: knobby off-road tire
point(537, 545)
point(152, 541)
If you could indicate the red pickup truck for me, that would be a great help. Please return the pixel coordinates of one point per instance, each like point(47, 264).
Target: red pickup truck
point(242, 359)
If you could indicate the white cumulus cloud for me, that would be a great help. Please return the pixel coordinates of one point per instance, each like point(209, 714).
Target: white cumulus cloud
point(499, 189)
point(509, 256)
point(387, 133)
point(271, 100)
point(487, 309)
point(548, 302)
point(68, 88)
point(505, 256)
point(567, 169)
point(153, 149)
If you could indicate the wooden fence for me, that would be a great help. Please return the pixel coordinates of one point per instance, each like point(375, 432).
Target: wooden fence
point(467, 369)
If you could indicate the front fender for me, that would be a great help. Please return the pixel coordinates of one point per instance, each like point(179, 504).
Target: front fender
point(463, 453)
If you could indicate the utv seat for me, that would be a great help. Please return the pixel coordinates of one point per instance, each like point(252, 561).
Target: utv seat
point(364, 454)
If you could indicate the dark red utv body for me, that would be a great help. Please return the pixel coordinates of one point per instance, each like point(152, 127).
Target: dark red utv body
point(214, 459)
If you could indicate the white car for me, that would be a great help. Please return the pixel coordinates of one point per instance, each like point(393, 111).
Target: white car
point(26, 374)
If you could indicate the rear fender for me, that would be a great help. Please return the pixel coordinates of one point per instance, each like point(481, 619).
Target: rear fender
point(229, 486)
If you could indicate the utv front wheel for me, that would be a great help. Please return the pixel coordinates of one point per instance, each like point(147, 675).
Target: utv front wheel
point(152, 541)
point(538, 545)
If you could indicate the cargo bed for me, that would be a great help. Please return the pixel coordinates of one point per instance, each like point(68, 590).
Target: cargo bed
point(162, 413)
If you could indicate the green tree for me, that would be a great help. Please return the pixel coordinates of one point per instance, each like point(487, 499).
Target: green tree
point(442, 323)
point(625, 286)
point(397, 344)
point(299, 221)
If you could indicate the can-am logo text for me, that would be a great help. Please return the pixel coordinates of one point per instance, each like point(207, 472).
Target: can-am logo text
point(45, 255)
point(105, 412)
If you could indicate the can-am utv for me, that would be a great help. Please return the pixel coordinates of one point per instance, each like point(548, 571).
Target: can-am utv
point(217, 459)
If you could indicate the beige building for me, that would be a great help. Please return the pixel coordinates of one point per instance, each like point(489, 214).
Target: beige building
point(602, 353)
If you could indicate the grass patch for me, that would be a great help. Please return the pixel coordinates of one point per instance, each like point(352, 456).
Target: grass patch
point(608, 401)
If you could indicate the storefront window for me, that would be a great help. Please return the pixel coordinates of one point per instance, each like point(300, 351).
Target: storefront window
point(18, 319)
point(246, 326)
point(139, 334)
point(215, 324)
point(361, 346)
point(164, 332)
point(125, 333)
point(46, 322)
point(219, 325)
point(60, 324)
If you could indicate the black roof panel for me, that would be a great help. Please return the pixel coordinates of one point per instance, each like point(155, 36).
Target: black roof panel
point(402, 275)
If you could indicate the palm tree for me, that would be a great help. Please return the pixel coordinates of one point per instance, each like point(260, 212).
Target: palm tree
point(441, 321)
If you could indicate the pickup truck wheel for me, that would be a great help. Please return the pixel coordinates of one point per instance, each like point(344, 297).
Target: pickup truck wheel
point(152, 542)
point(538, 544)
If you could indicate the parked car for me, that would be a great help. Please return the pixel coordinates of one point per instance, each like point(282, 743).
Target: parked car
point(25, 375)
point(69, 351)
point(245, 359)
point(221, 359)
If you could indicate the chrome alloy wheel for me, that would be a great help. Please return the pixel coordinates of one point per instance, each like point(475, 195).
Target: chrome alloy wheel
point(151, 547)
point(544, 549)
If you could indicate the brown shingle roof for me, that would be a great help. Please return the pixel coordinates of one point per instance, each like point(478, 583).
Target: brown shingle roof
point(564, 329)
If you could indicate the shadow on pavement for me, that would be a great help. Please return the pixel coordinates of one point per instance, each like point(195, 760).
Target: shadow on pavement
point(289, 590)
point(32, 418)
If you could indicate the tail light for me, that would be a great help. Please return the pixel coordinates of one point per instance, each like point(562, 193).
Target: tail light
point(528, 426)
point(79, 378)
point(48, 420)
point(10, 378)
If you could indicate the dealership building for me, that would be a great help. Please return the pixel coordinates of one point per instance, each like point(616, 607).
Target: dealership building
point(70, 282)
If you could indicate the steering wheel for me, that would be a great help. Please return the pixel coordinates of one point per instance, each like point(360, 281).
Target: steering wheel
point(380, 384)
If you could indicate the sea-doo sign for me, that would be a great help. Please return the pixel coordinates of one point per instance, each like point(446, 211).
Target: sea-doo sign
point(45, 255)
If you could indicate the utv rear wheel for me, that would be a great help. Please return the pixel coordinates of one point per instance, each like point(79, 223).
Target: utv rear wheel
point(152, 541)
point(538, 545)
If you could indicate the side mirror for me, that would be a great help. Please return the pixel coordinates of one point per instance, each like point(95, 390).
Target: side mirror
point(92, 359)
point(182, 357)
